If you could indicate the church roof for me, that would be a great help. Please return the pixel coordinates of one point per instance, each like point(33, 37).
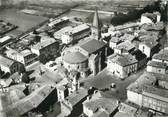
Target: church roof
point(96, 21)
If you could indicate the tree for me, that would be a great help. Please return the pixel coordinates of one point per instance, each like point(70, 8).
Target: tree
point(21, 69)
point(35, 32)
point(37, 38)
point(43, 58)
point(25, 78)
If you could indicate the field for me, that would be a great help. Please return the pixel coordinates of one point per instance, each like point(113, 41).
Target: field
point(23, 21)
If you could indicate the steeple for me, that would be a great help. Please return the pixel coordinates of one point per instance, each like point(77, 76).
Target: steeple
point(96, 19)
point(96, 26)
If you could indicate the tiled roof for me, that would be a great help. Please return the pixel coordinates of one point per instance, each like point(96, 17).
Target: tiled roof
point(107, 104)
point(26, 52)
point(162, 55)
point(100, 113)
point(150, 15)
point(145, 79)
point(125, 26)
point(43, 43)
point(151, 91)
point(157, 64)
point(115, 39)
point(6, 61)
point(80, 28)
point(123, 60)
point(74, 57)
point(77, 96)
point(31, 101)
point(127, 45)
point(59, 33)
point(150, 43)
point(92, 45)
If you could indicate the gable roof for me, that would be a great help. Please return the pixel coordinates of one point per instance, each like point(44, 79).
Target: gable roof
point(30, 102)
point(108, 104)
point(150, 43)
point(162, 55)
point(6, 61)
point(157, 64)
point(43, 43)
point(123, 60)
point(92, 45)
point(127, 46)
point(77, 96)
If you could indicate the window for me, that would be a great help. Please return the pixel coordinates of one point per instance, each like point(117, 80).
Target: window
point(143, 48)
point(163, 110)
point(150, 101)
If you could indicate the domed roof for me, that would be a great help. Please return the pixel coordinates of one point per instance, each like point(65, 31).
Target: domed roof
point(74, 57)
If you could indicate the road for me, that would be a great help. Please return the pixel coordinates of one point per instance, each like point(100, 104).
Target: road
point(104, 80)
point(92, 11)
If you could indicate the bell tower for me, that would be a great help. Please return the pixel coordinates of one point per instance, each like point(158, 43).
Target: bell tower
point(96, 26)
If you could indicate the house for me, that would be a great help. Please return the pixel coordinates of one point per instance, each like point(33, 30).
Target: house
point(32, 101)
point(5, 82)
point(150, 18)
point(4, 40)
point(15, 103)
point(134, 90)
point(163, 82)
point(51, 65)
point(59, 33)
point(28, 57)
point(140, 57)
point(68, 85)
point(75, 34)
point(114, 41)
point(162, 56)
point(16, 78)
point(149, 47)
point(156, 67)
point(100, 106)
point(122, 65)
point(46, 47)
point(58, 22)
point(155, 98)
point(128, 37)
point(62, 71)
point(62, 92)
point(157, 27)
point(8, 98)
point(25, 57)
point(72, 105)
point(126, 110)
point(124, 47)
point(128, 26)
point(10, 66)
